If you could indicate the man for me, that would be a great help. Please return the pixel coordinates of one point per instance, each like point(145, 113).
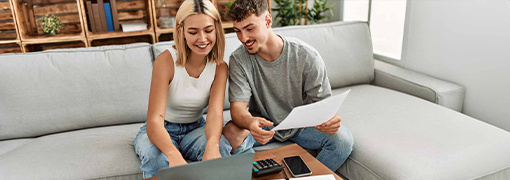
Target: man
point(274, 74)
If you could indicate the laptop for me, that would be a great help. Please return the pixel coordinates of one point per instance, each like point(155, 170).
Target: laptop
point(233, 167)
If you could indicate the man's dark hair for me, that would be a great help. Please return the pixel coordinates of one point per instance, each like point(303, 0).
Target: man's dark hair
point(241, 9)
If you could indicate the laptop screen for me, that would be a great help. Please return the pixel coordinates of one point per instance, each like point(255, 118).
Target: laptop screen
point(233, 167)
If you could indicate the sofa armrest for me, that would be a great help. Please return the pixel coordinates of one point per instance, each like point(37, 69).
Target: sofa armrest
point(441, 92)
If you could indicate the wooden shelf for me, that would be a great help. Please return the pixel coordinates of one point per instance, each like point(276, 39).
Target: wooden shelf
point(35, 46)
point(127, 12)
point(11, 46)
point(171, 9)
point(19, 31)
point(9, 41)
point(166, 30)
point(107, 35)
point(53, 39)
point(28, 13)
point(8, 25)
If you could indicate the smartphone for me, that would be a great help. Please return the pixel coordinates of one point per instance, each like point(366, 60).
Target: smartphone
point(297, 166)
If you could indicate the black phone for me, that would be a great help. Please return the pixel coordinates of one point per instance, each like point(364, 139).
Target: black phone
point(297, 166)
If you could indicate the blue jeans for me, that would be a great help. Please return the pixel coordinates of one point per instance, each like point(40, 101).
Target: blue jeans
point(189, 138)
point(334, 148)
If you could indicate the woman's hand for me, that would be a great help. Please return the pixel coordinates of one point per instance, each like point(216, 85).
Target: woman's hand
point(175, 159)
point(212, 151)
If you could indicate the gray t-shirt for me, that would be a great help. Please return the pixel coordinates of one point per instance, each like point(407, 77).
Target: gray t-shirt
point(273, 89)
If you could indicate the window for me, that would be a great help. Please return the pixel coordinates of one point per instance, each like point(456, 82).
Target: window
point(356, 10)
point(386, 20)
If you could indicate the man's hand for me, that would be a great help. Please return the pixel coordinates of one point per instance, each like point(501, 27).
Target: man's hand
point(175, 159)
point(211, 152)
point(331, 126)
point(260, 135)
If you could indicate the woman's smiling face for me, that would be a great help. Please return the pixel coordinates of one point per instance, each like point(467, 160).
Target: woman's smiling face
point(200, 33)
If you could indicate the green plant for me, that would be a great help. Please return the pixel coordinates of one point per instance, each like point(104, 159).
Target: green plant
point(291, 12)
point(316, 14)
point(229, 4)
point(50, 24)
point(288, 12)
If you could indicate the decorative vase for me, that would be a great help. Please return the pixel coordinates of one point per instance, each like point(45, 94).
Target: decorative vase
point(166, 22)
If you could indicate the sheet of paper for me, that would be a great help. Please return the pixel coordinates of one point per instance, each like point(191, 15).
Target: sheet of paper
point(312, 114)
point(318, 177)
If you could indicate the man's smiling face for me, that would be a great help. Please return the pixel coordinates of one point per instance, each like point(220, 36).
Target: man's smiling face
point(253, 32)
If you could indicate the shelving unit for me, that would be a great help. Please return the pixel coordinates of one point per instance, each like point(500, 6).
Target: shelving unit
point(28, 13)
point(19, 30)
point(11, 46)
point(9, 39)
point(169, 9)
point(128, 11)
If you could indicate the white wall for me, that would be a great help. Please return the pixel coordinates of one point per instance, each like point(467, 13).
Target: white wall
point(466, 42)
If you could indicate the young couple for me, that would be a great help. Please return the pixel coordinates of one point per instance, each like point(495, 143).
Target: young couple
point(270, 73)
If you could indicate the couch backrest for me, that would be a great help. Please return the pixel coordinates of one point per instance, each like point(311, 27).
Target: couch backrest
point(346, 48)
point(61, 90)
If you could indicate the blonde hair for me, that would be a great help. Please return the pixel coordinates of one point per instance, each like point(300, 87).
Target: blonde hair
point(192, 7)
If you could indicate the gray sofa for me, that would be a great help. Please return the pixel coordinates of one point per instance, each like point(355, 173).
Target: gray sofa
point(74, 113)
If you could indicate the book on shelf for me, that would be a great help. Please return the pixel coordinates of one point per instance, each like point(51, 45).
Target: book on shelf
point(97, 18)
point(129, 27)
point(108, 16)
point(91, 16)
point(115, 16)
point(101, 12)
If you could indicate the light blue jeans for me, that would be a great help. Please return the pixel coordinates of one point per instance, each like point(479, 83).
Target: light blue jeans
point(334, 148)
point(189, 138)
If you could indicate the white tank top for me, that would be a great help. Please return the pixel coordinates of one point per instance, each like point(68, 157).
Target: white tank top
point(188, 96)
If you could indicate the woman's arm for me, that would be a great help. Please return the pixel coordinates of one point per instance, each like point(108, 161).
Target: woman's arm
point(162, 75)
point(214, 123)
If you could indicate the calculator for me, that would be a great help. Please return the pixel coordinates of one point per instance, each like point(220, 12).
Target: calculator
point(265, 167)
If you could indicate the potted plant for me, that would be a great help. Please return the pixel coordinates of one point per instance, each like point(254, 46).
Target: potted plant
point(291, 12)
point(50, 24)
point(317, 13)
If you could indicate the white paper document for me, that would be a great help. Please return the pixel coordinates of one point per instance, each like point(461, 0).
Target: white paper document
point(313, 114)
point(318, 177)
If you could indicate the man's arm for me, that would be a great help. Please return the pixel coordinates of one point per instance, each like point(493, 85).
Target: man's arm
point(240, 114)
point(239, 95)
point(317, 87)
point(242, 118)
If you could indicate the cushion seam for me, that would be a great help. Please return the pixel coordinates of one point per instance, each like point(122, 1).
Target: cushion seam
point(116, 176)
point(491, 172)
point(453, 91)
point(18, 146)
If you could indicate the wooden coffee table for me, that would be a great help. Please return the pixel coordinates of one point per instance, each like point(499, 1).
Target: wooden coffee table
point(277, 154)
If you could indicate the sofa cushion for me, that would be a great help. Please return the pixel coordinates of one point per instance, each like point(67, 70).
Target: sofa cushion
point(62, 90)
point(399, 136)
point(9, 145)
point(106, 152)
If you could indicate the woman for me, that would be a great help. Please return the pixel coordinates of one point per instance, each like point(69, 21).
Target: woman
point(182, 86)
